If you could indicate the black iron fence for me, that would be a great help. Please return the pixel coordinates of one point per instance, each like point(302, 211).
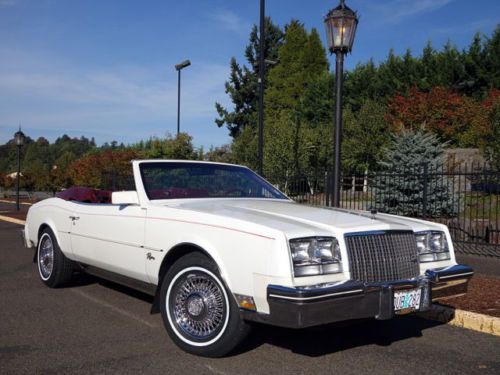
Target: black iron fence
point(465, 197)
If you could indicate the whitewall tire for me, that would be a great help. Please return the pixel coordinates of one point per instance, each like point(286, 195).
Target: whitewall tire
point(198, 311)
point(54, 268)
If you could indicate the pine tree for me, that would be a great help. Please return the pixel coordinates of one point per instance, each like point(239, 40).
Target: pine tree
point(412, 167)
point(242, 86)
point(302, 65)
point(302, 59)
point(365, 135)
point(360, 84)
point(492, 59)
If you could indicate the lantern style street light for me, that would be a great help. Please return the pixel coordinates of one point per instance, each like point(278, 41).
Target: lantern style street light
point(19, 137)
point(179, 67)
point(341, 23)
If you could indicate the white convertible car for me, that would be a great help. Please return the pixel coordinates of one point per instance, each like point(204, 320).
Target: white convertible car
point(219, 247)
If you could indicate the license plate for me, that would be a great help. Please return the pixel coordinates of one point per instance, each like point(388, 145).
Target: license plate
point(407, 300)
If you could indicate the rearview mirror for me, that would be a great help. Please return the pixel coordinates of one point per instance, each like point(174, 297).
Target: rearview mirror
point(125, 197)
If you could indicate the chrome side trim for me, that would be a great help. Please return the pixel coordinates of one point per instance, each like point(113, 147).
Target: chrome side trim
point(456, 275)
point(116, 242)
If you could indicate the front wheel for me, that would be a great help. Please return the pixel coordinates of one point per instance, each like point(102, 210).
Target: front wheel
point(200, 314)
point(53, 267)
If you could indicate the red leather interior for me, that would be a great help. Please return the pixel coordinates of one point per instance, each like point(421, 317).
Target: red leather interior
point(86, 195)
point(174, 192)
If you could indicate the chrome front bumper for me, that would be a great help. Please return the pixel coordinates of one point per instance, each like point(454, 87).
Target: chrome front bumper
point(305, 307)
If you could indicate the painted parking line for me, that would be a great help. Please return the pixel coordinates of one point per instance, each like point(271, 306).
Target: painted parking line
point(14, 202)
point(12, 220)
point(114, 308)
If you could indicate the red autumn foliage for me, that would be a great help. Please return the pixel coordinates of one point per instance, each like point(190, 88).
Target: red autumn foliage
point(89, 170)
point(460, 120)
point(492, 99)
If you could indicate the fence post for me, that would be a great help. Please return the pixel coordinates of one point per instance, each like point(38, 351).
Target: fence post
point(327, 189)
point(424, 191)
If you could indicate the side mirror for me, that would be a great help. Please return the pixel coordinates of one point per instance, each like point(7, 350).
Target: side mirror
point(125, 197)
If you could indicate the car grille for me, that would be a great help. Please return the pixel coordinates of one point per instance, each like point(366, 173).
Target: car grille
point(382, 256)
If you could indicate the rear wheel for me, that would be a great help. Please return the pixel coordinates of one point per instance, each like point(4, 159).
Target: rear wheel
point(198, 310)
point(53, 267)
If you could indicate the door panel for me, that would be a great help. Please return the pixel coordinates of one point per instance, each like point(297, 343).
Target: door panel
point(110, 237)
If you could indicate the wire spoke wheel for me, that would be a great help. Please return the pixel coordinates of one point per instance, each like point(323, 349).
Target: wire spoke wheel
point(46, 256)
point(197, 305)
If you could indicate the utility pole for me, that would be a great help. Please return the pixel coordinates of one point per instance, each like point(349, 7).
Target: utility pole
point(262, 67)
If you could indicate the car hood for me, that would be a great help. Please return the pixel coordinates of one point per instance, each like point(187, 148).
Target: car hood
point(302, 220)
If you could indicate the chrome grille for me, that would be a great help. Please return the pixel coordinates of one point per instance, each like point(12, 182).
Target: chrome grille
point(382, 256)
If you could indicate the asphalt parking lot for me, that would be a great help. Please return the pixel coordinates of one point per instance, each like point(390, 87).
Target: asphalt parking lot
point(93, 326)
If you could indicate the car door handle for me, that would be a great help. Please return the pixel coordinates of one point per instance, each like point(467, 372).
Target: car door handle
point(73, 218)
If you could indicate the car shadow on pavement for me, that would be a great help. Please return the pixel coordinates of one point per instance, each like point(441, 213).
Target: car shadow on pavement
point(327, 339)
point(82, 279)
point(314, 341)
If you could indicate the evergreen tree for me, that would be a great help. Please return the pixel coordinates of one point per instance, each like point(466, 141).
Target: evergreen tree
point(474, 67)
point(303, 64)
point(361, 84)
point(366, 134)
point(391, 75)
point(178, 147)
point(302, 59)
point(491, 59)
point(242, 86)
point(409, 69)
point(427, 68)
point(412, 167)
point(450, 67)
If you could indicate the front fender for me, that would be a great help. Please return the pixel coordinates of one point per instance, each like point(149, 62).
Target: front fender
point(153, 266)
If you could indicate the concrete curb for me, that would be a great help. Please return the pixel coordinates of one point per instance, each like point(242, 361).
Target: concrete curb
point(464, 319)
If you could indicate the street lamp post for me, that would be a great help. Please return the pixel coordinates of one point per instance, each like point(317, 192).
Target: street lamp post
point(179, 67)
point(19, 138)
point(341, 23)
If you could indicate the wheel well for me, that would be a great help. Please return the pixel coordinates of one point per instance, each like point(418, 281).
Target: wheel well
point(172, 256)
point(175, 254)
point(41, 229)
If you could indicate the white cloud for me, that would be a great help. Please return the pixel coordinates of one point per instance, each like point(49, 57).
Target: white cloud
point(466, 28)
point(396, 10)
point(230, 21)
point(43, 93)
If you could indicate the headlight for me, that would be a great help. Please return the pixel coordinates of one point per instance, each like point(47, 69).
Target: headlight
point(315, 256)
point(432, 246)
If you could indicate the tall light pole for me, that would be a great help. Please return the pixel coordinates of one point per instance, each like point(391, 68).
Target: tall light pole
point(341, 23)
point(19, 138)
point(179, 67)
point(262, 67)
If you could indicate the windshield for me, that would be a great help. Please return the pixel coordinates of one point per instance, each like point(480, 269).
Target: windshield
point(199, 180)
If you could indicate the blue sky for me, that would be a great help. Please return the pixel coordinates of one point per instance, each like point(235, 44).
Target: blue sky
point(104, 69)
